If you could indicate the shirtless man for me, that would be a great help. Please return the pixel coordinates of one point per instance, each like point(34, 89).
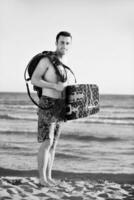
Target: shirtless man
point(53, 100)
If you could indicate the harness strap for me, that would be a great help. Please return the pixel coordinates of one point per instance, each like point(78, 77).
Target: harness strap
point(71, 72)
point(29, 78)
point(29, 94)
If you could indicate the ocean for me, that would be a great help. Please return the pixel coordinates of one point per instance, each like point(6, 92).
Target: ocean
point(101, 143)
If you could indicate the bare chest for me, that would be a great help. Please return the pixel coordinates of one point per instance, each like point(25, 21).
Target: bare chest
point(50, 75)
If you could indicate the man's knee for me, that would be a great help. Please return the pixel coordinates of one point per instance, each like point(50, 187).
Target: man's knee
point(48, 143)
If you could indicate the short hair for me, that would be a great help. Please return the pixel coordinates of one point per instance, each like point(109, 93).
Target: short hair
point(63, 33)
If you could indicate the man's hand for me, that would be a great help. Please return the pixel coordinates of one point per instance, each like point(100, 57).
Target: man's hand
point(60, 86)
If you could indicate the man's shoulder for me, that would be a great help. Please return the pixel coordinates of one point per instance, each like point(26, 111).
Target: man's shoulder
point(45, 61)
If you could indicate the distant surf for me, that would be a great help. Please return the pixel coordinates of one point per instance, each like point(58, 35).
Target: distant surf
point(103, 142)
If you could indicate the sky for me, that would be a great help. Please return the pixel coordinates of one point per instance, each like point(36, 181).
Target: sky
point(102, 50)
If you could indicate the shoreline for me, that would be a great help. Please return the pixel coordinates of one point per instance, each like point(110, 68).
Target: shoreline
point(117, 178)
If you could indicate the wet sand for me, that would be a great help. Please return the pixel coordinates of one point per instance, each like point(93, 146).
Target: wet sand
point(24, 185)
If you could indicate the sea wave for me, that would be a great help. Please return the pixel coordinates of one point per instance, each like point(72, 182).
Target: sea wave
point(117, 106)
point(117, 118)
point(69, 156)
point(26, 106)
point(8, 107)
point(11, 102)
point(71, 136)
point(88, 138)
point(16, 132)
point(108, 120)
point(17, 117)
point(100, 120)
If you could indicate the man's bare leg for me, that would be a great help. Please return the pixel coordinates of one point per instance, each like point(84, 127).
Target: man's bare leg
point(50, 163)
point(52, 154)
point(43, 157)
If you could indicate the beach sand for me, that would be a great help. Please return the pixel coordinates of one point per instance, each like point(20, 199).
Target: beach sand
point(23, 185)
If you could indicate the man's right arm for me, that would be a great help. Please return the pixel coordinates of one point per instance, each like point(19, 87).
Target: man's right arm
point(40, 70)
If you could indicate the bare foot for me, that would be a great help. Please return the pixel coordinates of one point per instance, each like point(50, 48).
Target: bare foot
point(53, 182)
point(44, 183)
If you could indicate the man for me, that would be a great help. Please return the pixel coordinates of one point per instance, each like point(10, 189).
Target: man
point(53, 100)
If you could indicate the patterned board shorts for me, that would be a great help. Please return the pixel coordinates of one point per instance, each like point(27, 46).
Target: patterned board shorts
point(53, 113)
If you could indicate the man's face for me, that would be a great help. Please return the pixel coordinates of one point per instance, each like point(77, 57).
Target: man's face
point(63, 44)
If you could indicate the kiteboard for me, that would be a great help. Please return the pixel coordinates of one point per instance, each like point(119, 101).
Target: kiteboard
point(82, 100)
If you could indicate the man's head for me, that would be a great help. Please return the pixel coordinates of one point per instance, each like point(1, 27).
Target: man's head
point(63, 42)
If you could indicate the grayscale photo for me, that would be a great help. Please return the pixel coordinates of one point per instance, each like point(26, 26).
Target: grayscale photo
point(67, 100)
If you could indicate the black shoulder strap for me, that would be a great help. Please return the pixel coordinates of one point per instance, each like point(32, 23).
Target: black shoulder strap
point(27, 79)
point(71, 72)
point(55, 61)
